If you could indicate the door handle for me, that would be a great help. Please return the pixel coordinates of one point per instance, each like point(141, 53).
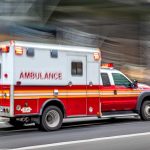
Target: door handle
point(70, 83)
point(115, 92)
point(90, 83)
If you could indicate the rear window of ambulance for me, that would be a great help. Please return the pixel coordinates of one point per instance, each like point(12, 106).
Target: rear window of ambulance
point(105, 79)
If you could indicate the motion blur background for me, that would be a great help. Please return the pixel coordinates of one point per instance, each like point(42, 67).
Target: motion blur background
point(120, 28)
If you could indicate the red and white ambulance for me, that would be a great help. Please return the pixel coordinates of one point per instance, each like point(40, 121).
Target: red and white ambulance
point(44, 83)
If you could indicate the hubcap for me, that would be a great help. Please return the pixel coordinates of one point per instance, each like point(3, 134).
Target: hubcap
point(52, 118)
point(147, 110)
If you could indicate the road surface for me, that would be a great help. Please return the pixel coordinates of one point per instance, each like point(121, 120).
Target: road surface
point(124, 134)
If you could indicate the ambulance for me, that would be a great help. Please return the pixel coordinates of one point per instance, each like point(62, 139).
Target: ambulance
point(45, 83)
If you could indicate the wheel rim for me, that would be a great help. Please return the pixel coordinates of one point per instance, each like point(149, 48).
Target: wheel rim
point(147, 110)
point(52, 118)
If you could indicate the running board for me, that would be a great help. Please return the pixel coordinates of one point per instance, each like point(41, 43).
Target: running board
point(120, 115)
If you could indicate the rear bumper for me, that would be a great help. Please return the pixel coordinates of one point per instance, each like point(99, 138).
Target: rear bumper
point(4, 111)
point(4, 119)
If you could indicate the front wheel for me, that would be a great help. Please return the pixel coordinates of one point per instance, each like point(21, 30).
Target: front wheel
point(51, 118)
point(145, 111)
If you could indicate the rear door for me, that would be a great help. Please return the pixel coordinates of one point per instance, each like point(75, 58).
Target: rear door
point(4, 89)
point(76, 89)
point(1, 89)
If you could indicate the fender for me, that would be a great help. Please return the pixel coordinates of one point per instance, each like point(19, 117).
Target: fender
point(51, 101)
point(140, 100)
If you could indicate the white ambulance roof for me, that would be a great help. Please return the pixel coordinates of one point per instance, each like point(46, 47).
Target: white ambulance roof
point(53, 46)
point(108, 70)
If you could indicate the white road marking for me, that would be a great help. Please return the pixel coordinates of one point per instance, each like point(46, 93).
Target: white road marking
point(81, 141)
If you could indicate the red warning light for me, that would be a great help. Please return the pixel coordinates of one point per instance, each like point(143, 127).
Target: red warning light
point(6, 75)
point(109, 65)
point(4, 49)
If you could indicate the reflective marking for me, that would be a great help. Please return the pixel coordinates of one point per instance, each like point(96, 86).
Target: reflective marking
point(34, 94)
point(81, 141)
point(71, 94)
point(126, 93)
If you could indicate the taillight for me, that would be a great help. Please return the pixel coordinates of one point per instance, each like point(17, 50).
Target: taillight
point(18, 50)
point(4, 49)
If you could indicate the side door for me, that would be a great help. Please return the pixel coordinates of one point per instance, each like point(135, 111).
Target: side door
point(76, 89)
point(126, 96)
point(93, 81)
point(107, 93)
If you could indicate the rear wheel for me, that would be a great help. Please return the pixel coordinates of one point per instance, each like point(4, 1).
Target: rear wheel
point(145, 111)
point(51, 118)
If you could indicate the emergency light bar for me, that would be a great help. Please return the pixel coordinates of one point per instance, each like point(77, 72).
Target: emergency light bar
point(5, 49)
point(109, 65)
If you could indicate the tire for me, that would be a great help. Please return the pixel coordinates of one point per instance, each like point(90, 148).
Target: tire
point(51, 119)
point(16, 123)
point(145, 111)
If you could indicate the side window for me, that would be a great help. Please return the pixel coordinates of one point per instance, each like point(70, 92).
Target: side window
point(119, 79)
point(30, 52)
point(76, 69)
point(54, 54)
point(105, 79)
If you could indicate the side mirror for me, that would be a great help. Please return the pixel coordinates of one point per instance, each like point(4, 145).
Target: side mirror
point(134, 84)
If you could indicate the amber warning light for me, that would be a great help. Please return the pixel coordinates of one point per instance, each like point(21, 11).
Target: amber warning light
point(18, 50)
point(97, 56)
point(4, 49)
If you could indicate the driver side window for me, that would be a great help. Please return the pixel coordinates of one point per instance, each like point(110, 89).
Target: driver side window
point(120, 80)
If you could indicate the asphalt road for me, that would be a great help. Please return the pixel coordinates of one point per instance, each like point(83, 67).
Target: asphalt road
point(140, 142)
point(124, 134)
